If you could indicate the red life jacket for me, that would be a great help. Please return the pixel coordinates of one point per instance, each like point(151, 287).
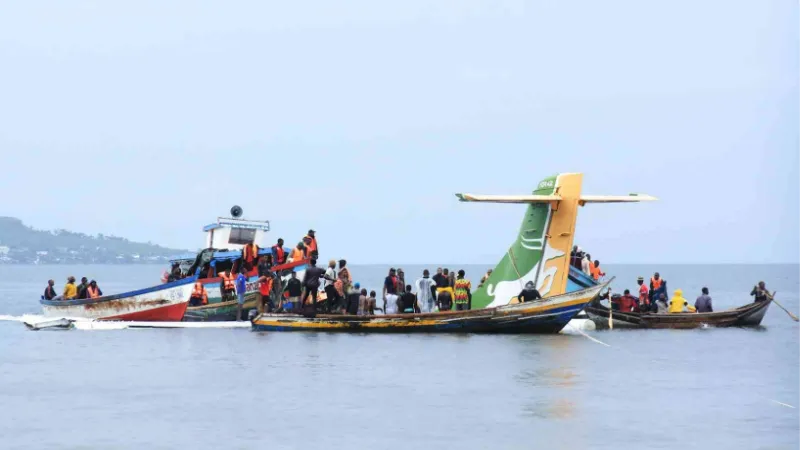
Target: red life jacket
point(228, 280)
point(250, 252)
point(643, 297)
point(280, 254)
point(265, 287)
point(200, 292)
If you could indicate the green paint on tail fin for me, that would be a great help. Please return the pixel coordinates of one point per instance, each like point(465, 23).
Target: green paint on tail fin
point(520, 263)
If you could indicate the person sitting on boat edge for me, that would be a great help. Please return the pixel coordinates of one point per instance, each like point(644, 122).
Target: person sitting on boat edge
point(760, 292)
point(462, 292)
point(92, 291)
point(294, 288)
point(626, 302)
point(241, 289)
point(529, 293)
point(82, 288)
point(199, 295)
point(278, 253)
point(49, 291)
point(390, 291)
point(703, 302)
point(407, 303)
point(298, 253)
point(70, 290)
point(678, 304)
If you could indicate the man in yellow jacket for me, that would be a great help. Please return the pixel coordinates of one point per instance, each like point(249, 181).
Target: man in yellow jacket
point(70, 290)
point(677, 303)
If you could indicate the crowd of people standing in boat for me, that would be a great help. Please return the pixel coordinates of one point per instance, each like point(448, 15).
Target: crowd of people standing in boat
point(582, 261)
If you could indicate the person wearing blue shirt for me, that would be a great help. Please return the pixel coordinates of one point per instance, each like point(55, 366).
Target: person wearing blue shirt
point(241, 288)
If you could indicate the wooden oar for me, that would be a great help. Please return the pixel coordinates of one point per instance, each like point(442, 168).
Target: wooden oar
point(610, 310)
point(781, 306)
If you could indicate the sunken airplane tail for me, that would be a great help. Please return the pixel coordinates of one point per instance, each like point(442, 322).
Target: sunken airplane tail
point(541, 251)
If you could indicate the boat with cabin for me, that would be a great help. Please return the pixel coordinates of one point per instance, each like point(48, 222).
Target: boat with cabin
point(540, 254)
point(169, 301)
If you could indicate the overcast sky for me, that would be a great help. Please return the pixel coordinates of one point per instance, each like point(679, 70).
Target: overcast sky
point(148, 119)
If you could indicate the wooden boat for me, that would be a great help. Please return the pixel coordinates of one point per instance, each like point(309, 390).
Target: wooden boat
point(165, 302)
point(538, 257)
point(549, 315)
point(749, 315)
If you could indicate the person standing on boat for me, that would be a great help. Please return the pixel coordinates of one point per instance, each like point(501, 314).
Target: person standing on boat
point(440, 279)
point(444, 299)
point(241, 289)
point(575, 257)
point(353, 297)
point(199, 295)
point(658, 286)
point(294, 288)
point(265, 265)
point(703, 303)
point(227, 287)
point(529, 293)
point(265, 281)
point(426, 289)
point(760, 292)
point(278, 253)
point(311, 282)
point(401, 279)
point(407, 303)
point(310, 240)
point(451, 278)
point(328, 285)
point(644, 295)
point(343, 280)
point(390, 290)
point(371, 303)
point(462, 292)
point(586, 264)
point(596, 272)
point(50, 291)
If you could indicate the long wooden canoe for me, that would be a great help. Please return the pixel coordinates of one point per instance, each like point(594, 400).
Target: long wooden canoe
point(549, 315)
point(749, 315)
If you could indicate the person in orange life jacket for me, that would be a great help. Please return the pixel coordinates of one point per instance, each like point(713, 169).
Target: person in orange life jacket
point(311, 243)
point(250, 256)
point(311, 282)
point(199, 295)
point(658, 286)
point(265, 282)
point(644, 295)
point(627, 302)
point(92, 291)
point(278, 253)
point(241, 288)
point(227, 287)
point(50, 291)
point(298, 253)
point(596, 272)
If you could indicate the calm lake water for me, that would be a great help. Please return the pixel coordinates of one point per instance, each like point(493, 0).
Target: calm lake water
point(233, 388)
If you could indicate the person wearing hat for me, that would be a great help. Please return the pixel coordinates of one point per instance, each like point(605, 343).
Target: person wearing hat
point(310, 240)
point(644, 295)
point(70, 290)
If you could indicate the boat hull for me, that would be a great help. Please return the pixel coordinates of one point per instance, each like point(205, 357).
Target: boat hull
point(749, 315)
point(547, 316)
point(166, 302)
